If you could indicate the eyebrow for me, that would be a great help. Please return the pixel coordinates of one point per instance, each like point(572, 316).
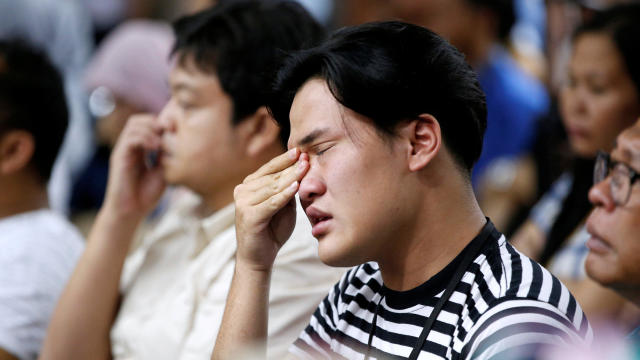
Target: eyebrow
point(312, 136)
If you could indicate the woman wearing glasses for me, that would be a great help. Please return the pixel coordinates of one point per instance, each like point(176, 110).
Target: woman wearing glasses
point(600, 99)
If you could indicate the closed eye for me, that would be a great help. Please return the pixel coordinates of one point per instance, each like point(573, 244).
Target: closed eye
point(320, 152)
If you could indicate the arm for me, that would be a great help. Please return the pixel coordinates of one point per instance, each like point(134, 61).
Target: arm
point(265, 217)
point(299, 282)
point(82, 320)
point(521, 328)
point(6, 356)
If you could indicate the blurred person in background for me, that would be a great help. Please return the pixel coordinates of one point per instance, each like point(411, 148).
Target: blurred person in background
point(38, 247)
point(511, 187)
point(127, 75)
point(164, 298)
point(614, 225)
point(480, 29)
point(601, 97)
point(62, 29)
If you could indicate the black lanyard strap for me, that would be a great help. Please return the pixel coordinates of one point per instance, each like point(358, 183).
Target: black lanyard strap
point(470, 255)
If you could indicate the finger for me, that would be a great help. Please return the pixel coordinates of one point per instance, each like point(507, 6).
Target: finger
point(263, 188)
point(276, 164)
point(142, 122)
point(268, 208)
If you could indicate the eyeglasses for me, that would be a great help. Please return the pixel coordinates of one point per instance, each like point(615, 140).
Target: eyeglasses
point(622, 177)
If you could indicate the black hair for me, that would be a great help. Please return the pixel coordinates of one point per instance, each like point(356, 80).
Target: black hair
point(32, 99)
point(622, 24)
point(243, 43)
point(504, 11)
point(391, 72)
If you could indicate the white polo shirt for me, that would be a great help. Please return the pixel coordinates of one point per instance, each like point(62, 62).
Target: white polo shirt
point(175, 284)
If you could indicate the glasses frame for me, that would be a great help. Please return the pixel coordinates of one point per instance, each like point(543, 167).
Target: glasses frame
point(604, 158)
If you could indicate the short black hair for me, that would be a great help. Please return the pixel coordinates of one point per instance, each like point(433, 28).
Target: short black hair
point(504, 11)
point(243, 43)
point(32, 99)
point(622, 24)
point(391, 72)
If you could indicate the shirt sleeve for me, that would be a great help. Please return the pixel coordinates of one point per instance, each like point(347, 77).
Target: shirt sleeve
point(518, 328)
point(27, 299)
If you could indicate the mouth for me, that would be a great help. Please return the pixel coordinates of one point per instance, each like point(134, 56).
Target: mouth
point(596, 243)
point(320, 221)
point(576, 132)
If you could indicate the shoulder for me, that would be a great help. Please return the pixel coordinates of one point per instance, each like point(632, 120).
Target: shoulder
point(526, 325)
point(40, 238)
point(527, 305)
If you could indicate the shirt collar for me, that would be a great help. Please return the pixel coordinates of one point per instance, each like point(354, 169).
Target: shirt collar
point(219, 221)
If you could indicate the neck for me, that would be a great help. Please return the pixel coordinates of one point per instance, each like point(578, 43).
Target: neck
point(21, 194)
point(214, 201)
point(447, 220)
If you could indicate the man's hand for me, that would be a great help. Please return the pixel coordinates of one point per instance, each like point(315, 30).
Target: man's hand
point(265, 209)
point(265, 218)
point(133, 187)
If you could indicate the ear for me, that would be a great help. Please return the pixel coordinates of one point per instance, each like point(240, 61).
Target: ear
point(16, 150)
point(423, 139)
point(259, 132)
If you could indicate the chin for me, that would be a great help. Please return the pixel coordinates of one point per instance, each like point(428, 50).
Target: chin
point(170, 177)
point(333, 254)
point(599, 270)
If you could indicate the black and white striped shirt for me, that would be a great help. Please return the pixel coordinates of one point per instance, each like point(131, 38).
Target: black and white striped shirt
point(506, 306)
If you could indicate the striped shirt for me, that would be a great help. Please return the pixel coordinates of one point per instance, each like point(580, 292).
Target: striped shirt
point(506, 306)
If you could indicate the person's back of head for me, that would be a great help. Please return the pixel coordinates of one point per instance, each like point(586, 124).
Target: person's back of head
point(243, 43)
point(32, 102)
point(391, 72)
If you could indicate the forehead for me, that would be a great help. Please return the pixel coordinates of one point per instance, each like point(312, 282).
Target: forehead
point(627, 146)
point(596, 49)
point(185, 75)
point(316, 116)
point(314, 111)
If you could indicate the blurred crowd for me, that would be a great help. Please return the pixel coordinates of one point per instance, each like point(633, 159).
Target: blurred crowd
point(562, 83)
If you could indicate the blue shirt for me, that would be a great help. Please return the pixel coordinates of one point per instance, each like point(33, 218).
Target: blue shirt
point(515, 101)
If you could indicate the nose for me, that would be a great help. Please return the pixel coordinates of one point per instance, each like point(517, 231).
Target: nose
point(166, 118)
point(311, 187)
point(572, 99)
point(600, 195)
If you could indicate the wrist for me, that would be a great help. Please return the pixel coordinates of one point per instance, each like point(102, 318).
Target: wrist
point(112, 215)
point(254, 271)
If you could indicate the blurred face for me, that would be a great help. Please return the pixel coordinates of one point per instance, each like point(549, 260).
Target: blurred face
point(614, 246)
point(353, 193)
point(199, 143)
point(599, 100)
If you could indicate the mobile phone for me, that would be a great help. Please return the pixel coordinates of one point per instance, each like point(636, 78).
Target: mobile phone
point(151, 159)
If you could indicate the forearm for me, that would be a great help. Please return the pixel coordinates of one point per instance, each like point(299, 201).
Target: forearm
point(82, 320)
point(245, 320)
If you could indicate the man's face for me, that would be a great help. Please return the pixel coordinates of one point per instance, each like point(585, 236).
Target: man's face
point(199, 143)
point(353, 192)
point(614, 246)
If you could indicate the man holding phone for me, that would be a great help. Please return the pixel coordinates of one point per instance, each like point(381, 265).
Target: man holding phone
point(166, 300)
